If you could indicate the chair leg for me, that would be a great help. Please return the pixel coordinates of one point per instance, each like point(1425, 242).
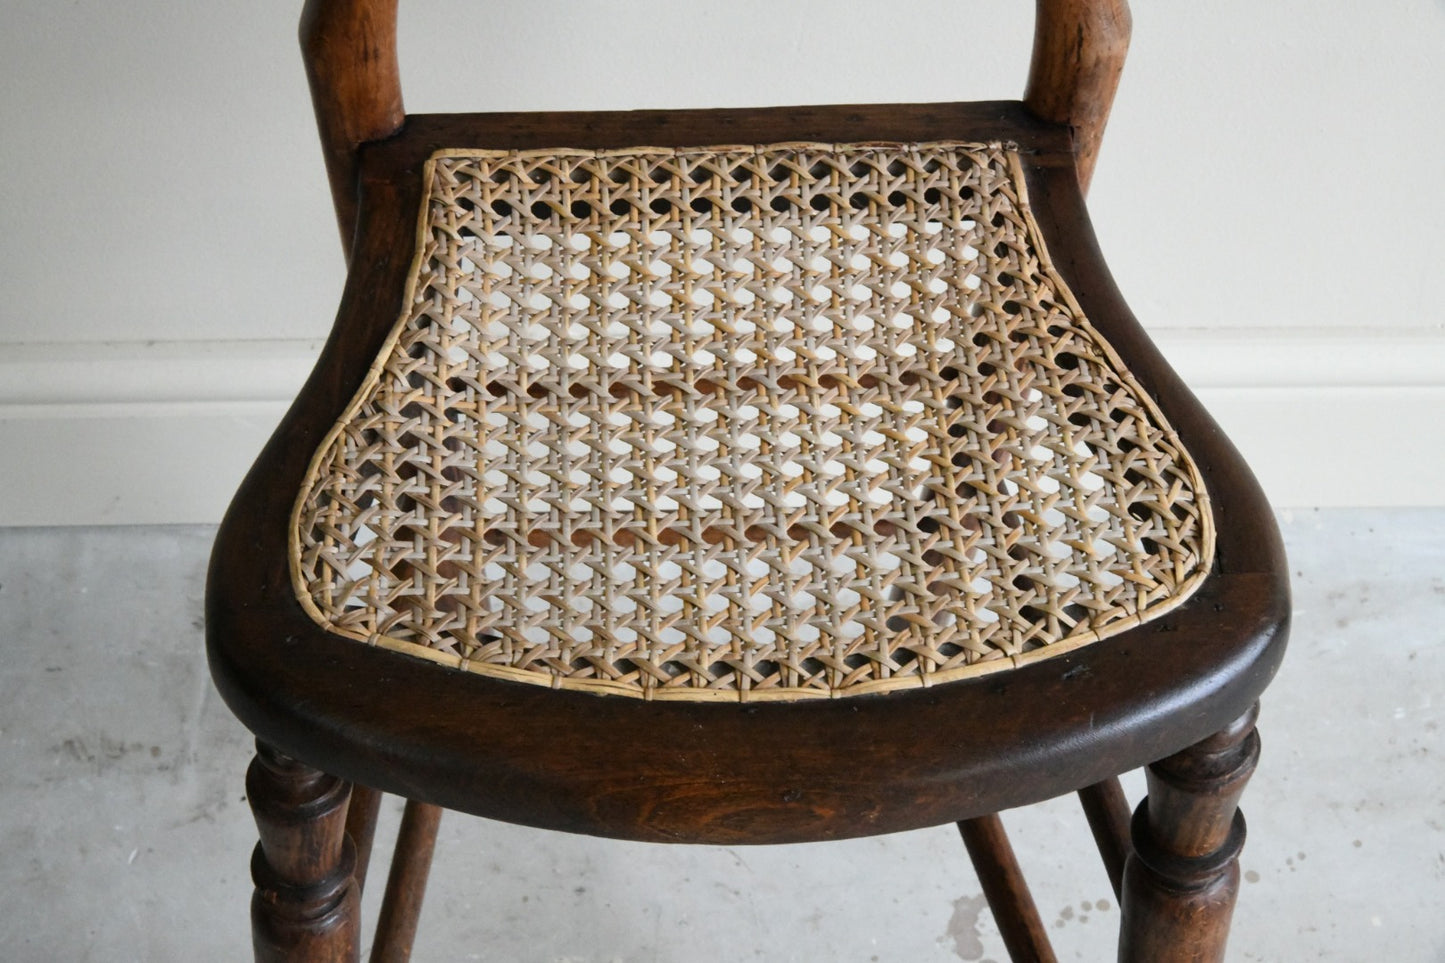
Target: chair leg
point(1107, 810)
point(361, 814)
point(1182, 878)
point(406, 884)
point(305, 908)
point(1008, 895)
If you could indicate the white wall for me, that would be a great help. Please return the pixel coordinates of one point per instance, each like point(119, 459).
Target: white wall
point(1269, 196)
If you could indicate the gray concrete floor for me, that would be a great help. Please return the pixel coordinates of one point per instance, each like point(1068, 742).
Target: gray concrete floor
point(124, 833)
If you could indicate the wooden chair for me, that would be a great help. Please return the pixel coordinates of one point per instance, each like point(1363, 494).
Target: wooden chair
point(740, 476)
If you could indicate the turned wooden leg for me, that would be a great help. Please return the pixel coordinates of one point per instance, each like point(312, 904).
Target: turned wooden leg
point(1182, 878)
point(305, 909)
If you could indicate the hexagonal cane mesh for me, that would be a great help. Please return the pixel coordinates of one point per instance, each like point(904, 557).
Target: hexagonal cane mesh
point(776, 422)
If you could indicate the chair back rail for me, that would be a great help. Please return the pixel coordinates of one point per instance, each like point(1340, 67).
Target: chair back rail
point(349, 47)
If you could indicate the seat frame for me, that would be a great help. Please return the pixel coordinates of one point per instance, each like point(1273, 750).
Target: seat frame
point(1177, 692)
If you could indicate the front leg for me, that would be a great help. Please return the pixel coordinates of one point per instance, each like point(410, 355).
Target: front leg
point(1182, 878)
point(305, 909)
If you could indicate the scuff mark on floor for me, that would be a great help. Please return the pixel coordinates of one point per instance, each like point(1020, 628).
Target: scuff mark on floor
point(963, 927)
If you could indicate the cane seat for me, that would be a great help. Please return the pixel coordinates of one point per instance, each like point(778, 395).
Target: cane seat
point(740, 476)
point(769, 422)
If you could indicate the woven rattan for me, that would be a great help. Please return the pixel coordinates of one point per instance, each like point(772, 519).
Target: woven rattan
point(777, 422)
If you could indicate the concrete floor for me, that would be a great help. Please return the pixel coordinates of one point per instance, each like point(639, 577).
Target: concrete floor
point(124, 833)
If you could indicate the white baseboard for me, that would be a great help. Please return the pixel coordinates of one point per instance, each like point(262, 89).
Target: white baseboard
point(140, 433)
point(137, 433)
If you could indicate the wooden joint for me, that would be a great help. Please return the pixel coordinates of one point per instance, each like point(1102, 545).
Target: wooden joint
point(1224, 756)
point(1079, 50)
point(1205, 768)
point(279, 783)
point(349, 47)
point(1181, 881)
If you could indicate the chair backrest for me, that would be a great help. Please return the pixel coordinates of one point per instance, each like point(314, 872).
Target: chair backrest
point(349, 47)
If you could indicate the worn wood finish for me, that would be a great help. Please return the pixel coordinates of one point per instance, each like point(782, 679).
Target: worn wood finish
point(1107, 810)
point(1079, 49)
point(361, 814)
point(1006, 890)
point(406, 884)
point(349, 48)
point(489, 747)
point(1181, 881)
point(689, 771)
point(306, 907)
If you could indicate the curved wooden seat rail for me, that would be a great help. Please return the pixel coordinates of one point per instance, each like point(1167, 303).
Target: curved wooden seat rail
point(740, 476)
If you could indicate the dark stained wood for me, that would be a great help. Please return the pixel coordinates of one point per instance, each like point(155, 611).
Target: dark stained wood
point(1249, 540)
point(682, 771)
point(361, 815)
point(306, 908)
point(406, 884)
point(692, 772)
point(1107, 810)
point(1182, 879)
point(349, 48)
point(1079, 49)
point(844, 123)
point(1006, 890)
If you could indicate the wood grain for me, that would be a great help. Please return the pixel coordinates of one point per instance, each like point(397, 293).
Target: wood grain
point(406, 883)
point(489, 747)
point(1181, 881)
point(306, 908)
point(1079, 49)
point(1024, 935)
point(1175, 692)
point(349, 49)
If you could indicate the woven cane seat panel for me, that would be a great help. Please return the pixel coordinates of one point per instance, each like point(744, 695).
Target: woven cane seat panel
point(748, 423)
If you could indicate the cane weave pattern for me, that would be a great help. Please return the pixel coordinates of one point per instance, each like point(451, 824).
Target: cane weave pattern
point(748, 423)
